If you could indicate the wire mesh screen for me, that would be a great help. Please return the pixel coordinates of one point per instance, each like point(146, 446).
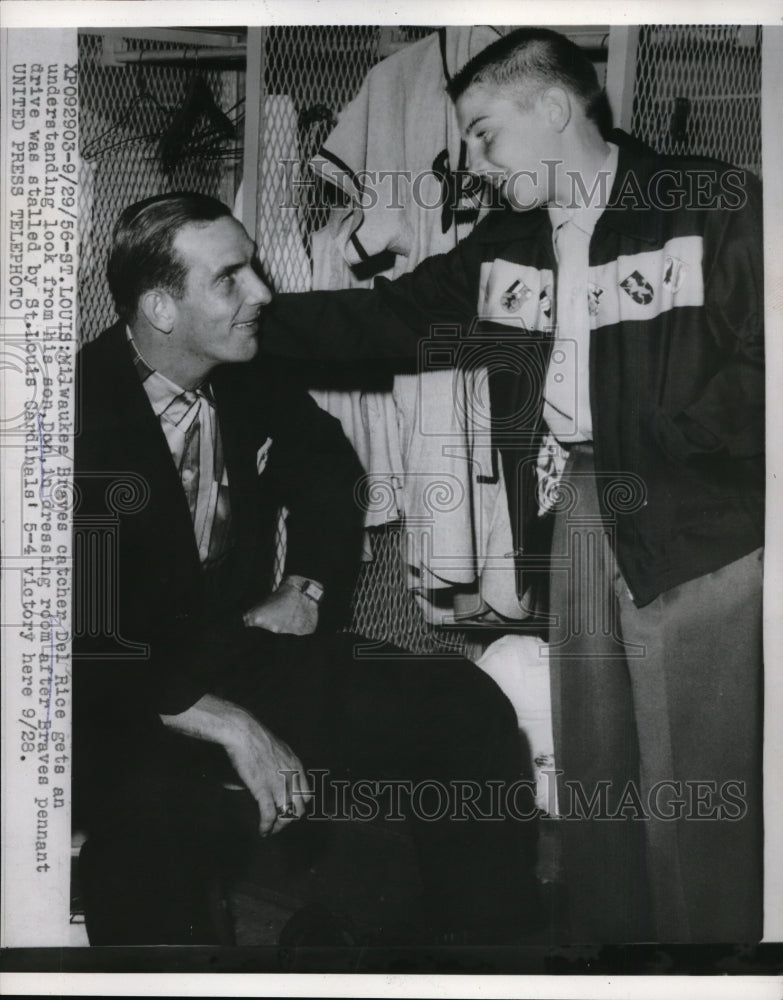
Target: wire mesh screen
point(698, 91)
point(383, 607)
point(124, 113)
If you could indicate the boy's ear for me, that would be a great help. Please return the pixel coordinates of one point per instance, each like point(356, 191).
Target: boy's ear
point(159, 309)
point(557, 107)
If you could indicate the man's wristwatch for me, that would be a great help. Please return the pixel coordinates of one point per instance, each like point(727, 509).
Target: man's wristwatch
point(310, 588)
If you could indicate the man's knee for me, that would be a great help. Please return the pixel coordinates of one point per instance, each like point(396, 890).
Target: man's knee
point(480, 715)
point(483, 699)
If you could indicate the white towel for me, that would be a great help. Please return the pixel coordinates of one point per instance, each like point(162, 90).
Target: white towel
point(519, 665)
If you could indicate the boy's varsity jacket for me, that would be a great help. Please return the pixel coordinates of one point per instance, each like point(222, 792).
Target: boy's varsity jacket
point(676, 356)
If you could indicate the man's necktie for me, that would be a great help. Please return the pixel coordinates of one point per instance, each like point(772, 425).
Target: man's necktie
point(202, 471)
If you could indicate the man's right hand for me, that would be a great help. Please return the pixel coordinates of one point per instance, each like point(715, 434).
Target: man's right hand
point(268, 767)
point(272, 773)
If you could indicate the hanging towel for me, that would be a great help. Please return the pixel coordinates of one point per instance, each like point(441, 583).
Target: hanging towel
point(519, 665)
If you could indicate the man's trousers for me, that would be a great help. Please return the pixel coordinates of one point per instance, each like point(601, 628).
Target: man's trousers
point(658, 732)
point(158, 817)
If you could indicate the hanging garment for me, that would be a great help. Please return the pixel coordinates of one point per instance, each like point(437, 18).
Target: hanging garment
point(368, 418)
point(397, 153)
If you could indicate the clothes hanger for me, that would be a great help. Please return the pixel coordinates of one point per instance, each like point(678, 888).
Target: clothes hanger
point(143, 96)
point(181, 138)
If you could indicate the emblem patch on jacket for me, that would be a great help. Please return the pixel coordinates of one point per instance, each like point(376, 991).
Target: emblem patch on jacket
point(513, 297)
point(511, 294)
point(637, 286)
point(262, 456)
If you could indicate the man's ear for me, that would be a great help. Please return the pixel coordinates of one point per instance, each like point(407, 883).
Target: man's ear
point(159, 309)
point(557, 107)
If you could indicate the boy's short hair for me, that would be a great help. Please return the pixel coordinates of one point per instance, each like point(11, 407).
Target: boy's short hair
point(142, 254)
point(530, 59)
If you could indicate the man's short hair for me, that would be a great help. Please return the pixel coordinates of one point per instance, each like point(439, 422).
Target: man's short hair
point(142, 254)
point(527, 61)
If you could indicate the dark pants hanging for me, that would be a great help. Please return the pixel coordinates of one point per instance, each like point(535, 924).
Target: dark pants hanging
point(162, 820)
point(658, 721)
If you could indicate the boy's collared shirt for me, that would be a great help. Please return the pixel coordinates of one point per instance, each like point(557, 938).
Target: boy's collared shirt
point(567, 388)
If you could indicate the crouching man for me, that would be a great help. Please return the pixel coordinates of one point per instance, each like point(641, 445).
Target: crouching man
point(191, 674)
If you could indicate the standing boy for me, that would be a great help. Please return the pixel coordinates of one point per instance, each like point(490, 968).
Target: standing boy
point(620, 308)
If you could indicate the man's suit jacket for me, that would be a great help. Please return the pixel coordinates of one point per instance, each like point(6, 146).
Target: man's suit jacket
point(151, 628)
